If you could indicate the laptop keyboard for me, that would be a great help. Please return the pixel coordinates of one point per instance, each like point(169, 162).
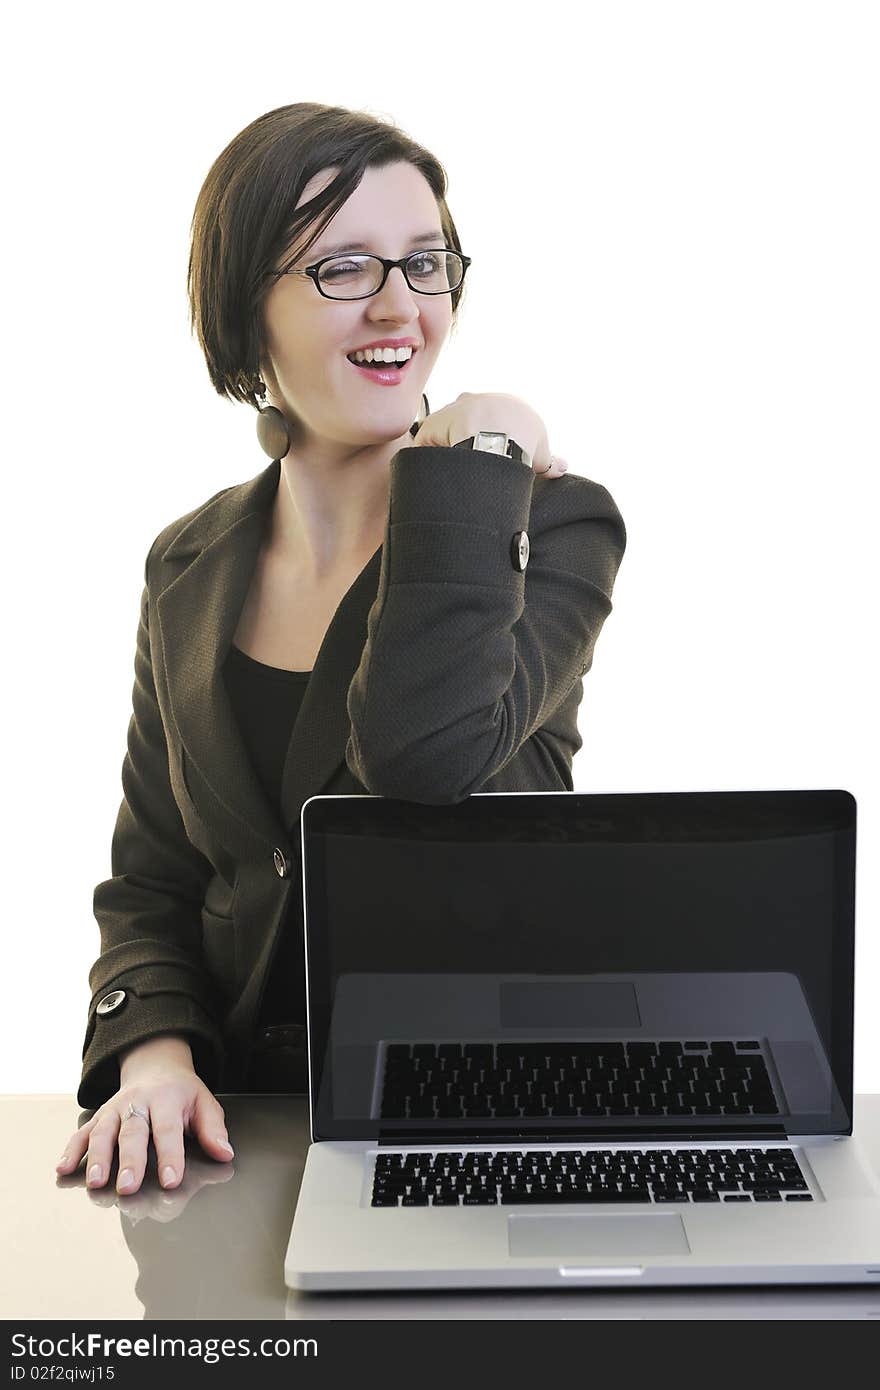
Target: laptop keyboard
point(695, 1076)
point(590, 1176)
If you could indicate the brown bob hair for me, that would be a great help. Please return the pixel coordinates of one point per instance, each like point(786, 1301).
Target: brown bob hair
point(245, 221)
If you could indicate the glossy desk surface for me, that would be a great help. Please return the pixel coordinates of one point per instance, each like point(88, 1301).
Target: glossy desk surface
point(214, 1248)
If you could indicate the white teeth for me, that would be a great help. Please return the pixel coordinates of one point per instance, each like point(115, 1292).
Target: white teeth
point(388, 354)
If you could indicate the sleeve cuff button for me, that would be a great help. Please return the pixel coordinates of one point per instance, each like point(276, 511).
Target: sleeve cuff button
point(111, 1002)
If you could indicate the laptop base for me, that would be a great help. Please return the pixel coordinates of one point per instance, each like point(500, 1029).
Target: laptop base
point(340, 1242)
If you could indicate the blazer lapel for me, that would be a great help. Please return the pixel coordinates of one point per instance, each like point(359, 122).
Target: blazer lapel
point(198, 613)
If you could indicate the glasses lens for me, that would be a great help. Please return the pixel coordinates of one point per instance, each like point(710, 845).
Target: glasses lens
point(352, 277)
point(435, 272)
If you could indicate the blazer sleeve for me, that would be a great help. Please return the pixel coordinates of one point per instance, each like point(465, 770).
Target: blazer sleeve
point(467, 656)
point(149, 910)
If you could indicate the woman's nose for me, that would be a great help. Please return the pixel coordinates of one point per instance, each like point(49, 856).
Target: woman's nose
point(396, 294)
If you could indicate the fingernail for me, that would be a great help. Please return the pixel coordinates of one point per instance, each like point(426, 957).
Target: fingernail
point(168, 1175)
point(225, 1144)
point(63, 1161)
point(561, 465)
point(126, 1178)
point(95, 1173)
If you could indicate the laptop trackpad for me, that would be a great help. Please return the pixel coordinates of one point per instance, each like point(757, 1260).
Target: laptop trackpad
point(597, 1234)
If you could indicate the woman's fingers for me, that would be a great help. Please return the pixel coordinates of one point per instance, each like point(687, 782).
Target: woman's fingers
point(134, 1136)
point(76, 1147)
point(102, 1141)
point(209, 1126)
point(557, 466)
point(167, 1122)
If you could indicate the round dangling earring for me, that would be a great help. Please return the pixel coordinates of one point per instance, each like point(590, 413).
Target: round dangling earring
point(424, 412)
point(273, 430)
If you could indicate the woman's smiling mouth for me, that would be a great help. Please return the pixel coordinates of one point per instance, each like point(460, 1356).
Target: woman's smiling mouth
point(380, 371)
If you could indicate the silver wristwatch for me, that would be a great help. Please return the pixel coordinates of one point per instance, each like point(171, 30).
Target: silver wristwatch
point(494, 442)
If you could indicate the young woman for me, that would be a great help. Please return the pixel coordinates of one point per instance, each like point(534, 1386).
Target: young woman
point(401, 604)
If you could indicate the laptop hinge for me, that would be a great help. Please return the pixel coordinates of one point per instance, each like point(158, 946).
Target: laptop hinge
point(708, 1134)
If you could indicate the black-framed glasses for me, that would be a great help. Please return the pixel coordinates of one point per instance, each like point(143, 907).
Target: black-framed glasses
point(358, 277)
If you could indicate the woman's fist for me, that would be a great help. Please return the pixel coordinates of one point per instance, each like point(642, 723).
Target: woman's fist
point(471, 412)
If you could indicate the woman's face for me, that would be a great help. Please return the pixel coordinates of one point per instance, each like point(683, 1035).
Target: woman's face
point(308, 374)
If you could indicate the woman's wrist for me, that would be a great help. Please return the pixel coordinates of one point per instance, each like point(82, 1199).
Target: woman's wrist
point(166, 1047)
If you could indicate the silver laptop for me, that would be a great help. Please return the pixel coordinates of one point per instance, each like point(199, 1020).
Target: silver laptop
point(569, 1039)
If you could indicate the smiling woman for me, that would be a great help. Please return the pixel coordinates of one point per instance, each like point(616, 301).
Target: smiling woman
point(354, 619)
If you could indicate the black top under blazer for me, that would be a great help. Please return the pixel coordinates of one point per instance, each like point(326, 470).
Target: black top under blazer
point(447, 669)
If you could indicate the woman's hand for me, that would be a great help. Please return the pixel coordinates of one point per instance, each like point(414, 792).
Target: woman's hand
point(157, 1077)
point(471, 412)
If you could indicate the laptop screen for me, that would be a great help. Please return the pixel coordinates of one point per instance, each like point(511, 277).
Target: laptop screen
point(563, 965)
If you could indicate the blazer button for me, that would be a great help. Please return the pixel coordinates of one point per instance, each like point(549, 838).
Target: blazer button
point(111, 1002)
point(519, 550)
point(282, 863)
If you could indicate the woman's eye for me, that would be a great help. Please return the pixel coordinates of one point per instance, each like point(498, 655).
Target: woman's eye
point(333, 272)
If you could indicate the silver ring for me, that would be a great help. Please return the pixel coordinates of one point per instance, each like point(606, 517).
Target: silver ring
point(136, 1110)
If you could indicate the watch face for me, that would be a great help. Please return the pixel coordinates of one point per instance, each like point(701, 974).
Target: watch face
point(492, 442)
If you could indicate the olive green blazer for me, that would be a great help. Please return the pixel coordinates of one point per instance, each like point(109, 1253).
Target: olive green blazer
point(453, 664)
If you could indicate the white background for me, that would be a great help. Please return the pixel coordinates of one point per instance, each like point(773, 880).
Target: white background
point(697, 184)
